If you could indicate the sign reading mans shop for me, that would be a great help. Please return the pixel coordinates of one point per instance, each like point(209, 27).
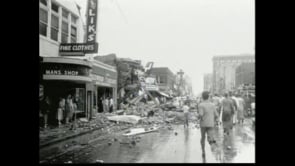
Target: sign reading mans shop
point(65, 69)
point(73, 48)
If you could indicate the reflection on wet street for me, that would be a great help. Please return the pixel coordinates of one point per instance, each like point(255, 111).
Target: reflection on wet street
point(179, 145)
point(237, 147)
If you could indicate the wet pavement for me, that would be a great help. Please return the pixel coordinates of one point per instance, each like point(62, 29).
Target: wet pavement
point(165, 146)
point(238, 146)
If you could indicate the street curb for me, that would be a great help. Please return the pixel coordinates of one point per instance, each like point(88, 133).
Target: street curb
point(67, 137)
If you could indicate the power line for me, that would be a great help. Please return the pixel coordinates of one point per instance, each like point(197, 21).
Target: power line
point(121, 11)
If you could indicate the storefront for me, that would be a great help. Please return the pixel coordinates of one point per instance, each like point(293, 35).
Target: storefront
point(61, 77)
point(104, 78)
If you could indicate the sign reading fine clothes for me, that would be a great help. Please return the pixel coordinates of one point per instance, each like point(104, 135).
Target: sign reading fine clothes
point(91, 21)
point(73, 48)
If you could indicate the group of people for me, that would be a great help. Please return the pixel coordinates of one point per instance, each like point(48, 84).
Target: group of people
point(214, 110)
point(244, 105)
point(106, 104)
point(65, 109)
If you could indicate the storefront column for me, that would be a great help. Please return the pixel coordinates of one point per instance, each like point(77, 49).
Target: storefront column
point(89, 100)
point(115, 98)
point(95, 99)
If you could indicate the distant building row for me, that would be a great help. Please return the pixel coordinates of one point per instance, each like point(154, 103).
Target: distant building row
point(230, 72)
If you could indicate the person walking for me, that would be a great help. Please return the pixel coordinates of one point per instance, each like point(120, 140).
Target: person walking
point(241, 106)
point(186, 113)
point(247, 104)
point(207, 116)
point(216, 102)
point(235, 103)
point(227, 112)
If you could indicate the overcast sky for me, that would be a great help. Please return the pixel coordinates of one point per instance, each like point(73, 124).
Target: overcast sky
point(179, 34)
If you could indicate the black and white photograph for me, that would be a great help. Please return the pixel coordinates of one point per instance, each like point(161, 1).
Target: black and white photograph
point(146, 81)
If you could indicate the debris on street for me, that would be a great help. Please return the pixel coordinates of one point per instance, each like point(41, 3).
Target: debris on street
point(99, 161)
point(140, 131)
point(133, 119)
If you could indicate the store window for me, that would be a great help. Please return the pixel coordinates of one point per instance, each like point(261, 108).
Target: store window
point(162, 79)
point(54, 7)
point(73, 34)
point(54, 27)
point(65, 32)
point(74, 19)
point(80, 95)
point(43, 16)
point(65, 14)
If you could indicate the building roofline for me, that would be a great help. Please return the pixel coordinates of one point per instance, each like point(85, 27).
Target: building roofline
point(105, 66)
point(63, 4)
point(234, 56)
point(167, 68)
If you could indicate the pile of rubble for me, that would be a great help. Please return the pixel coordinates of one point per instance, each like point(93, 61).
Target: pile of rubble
point(135, 115)
point(99, 121)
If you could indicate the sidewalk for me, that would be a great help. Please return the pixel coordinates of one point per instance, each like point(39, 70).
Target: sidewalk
point(50, 136)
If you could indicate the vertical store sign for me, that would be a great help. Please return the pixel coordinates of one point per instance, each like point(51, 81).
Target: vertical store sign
point(91, 21)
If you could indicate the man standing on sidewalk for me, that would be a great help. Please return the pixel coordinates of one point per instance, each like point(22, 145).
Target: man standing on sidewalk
point(207, 116)
point(111, 104)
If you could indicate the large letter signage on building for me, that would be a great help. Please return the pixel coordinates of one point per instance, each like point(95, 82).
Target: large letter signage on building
point(91, 46)
point(91, 21)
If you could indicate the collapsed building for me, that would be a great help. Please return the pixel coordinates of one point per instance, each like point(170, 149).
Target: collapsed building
point(135, 82)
